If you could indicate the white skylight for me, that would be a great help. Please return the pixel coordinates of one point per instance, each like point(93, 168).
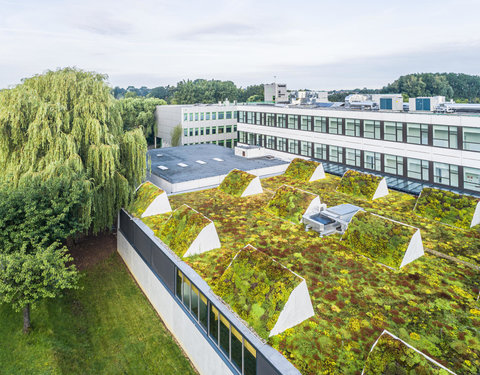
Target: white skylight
point(162, 167)
point(200, 162)
point(183, 165)
point(159, 155)
point(217, 159)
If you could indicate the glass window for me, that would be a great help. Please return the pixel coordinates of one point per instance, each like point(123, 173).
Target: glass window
point(445, 174)
point(471, 178)
point(207, 130)
point(335, 154)
point(394, 165)
point(185, 132)
point(250, 119)
point(320, 151)
point(185, 117)
point(207, 116)
point(353, 157)
point(228, 128)
point(203, 310)
point(393, 131)
point(417, 134)
point(190, 132)
point(282, 144)
point(225, 335)
point(179, 284)
point(371, 129)
point(417, 169)
point(196, 116)
point(202, 116)
point(235, 127)
point(190, 115)
point(372, 160)
point(293, 146)
point(305, 123)
point(221, 115)
point(252, 139)
point(221, 129)
point(241, 116)
point(221, 143)
point(228, 143)
point(306, 148)
point(352, 127)
point(292, 122)
point(196, 131)
point(194, 302)
point(214, 323)
point(237, 346)
point(249, 359)
point(201, 131)
point(335, 125)
point(235, 114)
point(270, 119)
point(320, 124)
point(214, 130)
point(471, 139)
point(445, 136)
point(258, 118)
point(270, 142)
point(214, 115)
point(281, 121)
point(228, 115)
point(186, 293)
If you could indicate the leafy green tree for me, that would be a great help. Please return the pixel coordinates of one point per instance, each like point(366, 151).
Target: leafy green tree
point(255, 98)
point(27, 277)
point(203, 91)
point(67, 120)
point(250, 91)
point(176, 135)
point(139, 112)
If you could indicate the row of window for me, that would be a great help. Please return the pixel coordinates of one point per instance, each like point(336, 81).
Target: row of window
point(236, 348)
point(207, 116)
point(229, 143)
point(440, 173)
point(191, 132)
point(422, 134)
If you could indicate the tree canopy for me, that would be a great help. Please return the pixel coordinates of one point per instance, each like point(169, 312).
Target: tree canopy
point(67, 123)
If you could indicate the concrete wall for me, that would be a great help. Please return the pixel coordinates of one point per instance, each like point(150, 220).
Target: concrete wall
point(201, 353)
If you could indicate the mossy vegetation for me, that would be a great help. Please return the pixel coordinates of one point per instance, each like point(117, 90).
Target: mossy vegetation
point(180, 229)
point(301, 169)
point(446, 206)
point(257, 288)
point(290, 203)
point(380, 239)
point(358, 184)
point(144, 196)
point(392, 356)
point(236, 182)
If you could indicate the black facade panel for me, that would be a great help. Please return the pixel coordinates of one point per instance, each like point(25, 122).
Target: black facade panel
point(264, 367)
point(127, 226)
point(143, 244)
point(164, 267)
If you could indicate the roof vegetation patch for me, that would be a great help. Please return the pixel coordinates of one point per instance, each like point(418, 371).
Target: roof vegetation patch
point(392, 356)
point(257, 288)
point(378, 238)
point(290, 203)
point(359, 184)
point(144, 196)
point(301, 169)
point(181, 229)
point(236, 182)
point(447, 207)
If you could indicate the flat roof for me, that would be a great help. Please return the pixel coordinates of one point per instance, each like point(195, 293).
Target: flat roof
point(187, 163)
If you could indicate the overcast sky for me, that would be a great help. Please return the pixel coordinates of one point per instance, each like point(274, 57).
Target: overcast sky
point(318, 44)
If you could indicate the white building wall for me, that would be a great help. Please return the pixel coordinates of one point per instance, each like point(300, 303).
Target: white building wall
point(199, 351)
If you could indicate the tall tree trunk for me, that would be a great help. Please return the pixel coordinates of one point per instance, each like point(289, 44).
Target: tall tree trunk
point(26, 319)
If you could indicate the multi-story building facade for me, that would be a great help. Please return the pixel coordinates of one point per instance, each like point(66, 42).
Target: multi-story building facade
point(202, 123)
point(412, 149)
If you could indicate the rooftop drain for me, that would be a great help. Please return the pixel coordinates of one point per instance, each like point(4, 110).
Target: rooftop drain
point(162, 167)
point(330, 220)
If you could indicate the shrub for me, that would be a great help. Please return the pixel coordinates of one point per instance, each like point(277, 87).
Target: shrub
point(301, 169)
point(290, 203)
point(359, 184)
point(378, 238)
point(257, 288)
point(144, 196)
point(446, 207)
point(236, 182)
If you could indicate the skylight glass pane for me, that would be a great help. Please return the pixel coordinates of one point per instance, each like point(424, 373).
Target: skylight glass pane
point(200, 162)
point(162, 167)
point(183, 165)
point(217, 159)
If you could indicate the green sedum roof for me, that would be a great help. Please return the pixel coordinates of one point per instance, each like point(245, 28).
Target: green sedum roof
point(236, 182)
point(290, 203)
point(301, 169)
point(180, 230)
point(257, 288)
point(378, 238)
point(144, 196)
point(446, 207)
point(358, 184)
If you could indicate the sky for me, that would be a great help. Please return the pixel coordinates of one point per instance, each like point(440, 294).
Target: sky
point(317, 44)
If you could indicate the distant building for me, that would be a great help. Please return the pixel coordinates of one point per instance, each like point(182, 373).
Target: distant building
point(200, 123)
point(275, 92)
point(427, 104)
point(384, 102)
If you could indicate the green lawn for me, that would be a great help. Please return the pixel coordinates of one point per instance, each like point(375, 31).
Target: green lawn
point(107, 327)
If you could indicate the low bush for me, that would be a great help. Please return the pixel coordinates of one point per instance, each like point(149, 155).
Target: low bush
point(290, 203)
point(359, 184)
point(301, 169)
point(236, 182)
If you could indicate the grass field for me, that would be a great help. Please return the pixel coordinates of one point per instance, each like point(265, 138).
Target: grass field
point(107, 327)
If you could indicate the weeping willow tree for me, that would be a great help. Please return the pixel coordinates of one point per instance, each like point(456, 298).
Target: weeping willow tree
point(67, 123)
